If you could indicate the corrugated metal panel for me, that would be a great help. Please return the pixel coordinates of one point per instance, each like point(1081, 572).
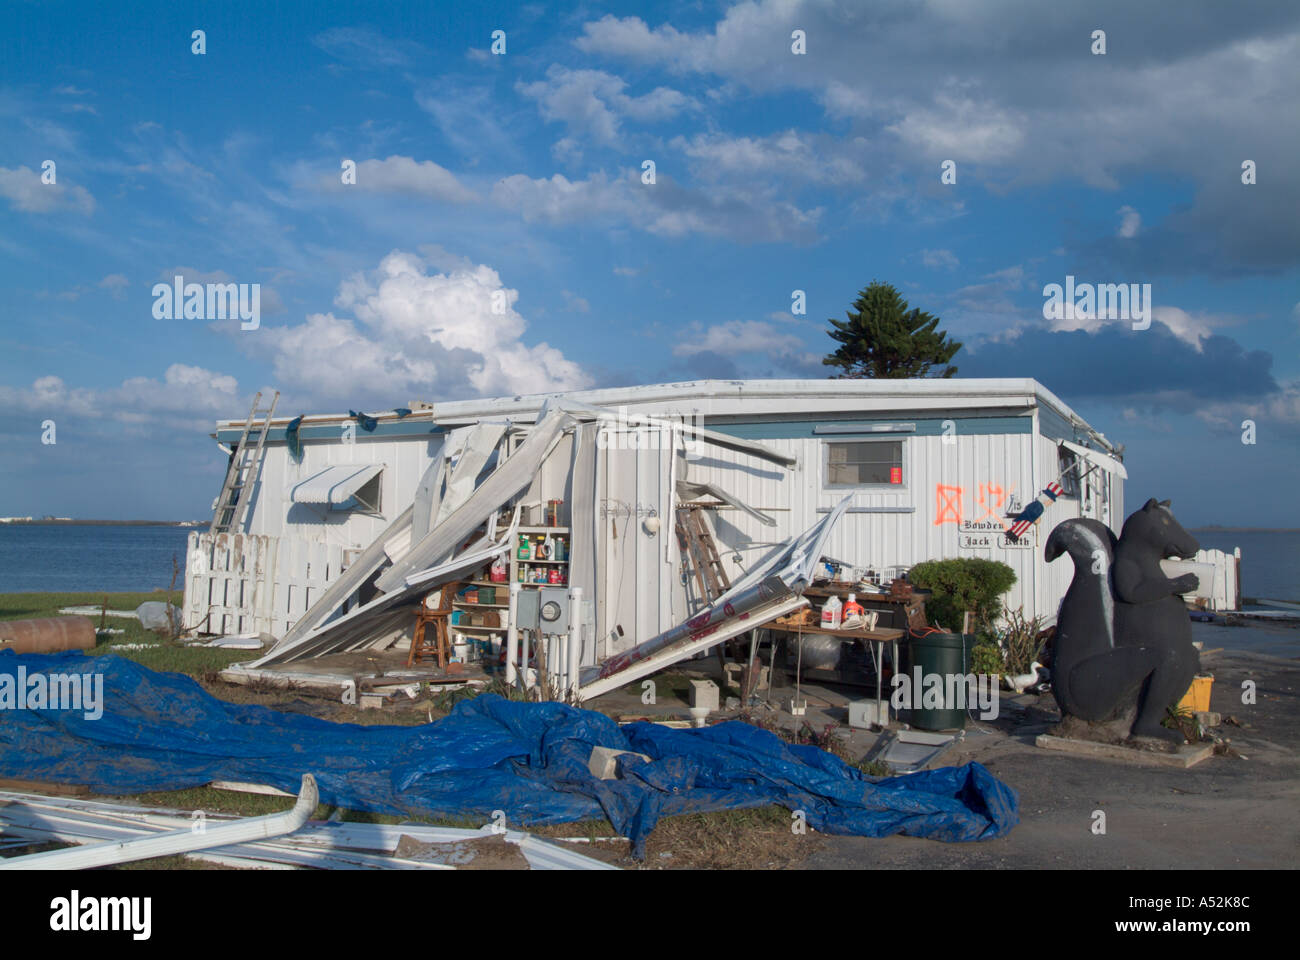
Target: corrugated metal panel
point(979, 466)
point(640, 574)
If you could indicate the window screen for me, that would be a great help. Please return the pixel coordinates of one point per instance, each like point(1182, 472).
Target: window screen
point(856, 464)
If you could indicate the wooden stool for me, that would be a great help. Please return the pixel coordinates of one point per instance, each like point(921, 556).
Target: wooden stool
point(438, 617)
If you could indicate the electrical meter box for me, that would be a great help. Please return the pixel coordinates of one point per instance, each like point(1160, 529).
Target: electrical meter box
point(555, 609)
point(528, 608)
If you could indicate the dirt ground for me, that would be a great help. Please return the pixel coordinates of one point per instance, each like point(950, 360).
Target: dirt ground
point(1231, 811)
point(1235, 810)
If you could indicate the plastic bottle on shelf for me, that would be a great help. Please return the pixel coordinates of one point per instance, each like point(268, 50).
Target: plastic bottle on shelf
point(831, 613)
point(525, 547)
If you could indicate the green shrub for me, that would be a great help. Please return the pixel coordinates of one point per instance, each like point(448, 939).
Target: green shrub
point(986, 659)
point(970, 583)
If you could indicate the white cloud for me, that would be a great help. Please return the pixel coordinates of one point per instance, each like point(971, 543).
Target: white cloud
point(187, 397)
point(736, 348)
point(23, 188)
point(473, 119)
point(576, 303)
point(958, 127)
point(1130, 222)
point(1282, 407)
point(1041, 105)
point(591, 103)
point(1188, 327)
point(364, 47)
point(405, 175)
point(421, 334)
point(561, 200)
point(664, 208)
point(788, 154)
point(1191, 328)
point(940, 259)
point(115, 284)
point(739, 336)
point(630, 38)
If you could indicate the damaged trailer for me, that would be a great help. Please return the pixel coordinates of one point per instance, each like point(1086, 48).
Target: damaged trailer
point(689, 512)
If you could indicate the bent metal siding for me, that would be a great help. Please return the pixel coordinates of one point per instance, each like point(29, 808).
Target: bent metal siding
point(886, 528)
point(264, 581)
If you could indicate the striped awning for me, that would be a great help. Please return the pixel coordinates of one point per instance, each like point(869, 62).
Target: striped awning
point(335, 485)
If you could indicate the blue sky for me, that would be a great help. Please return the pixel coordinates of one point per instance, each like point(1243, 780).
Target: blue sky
point(519, 176)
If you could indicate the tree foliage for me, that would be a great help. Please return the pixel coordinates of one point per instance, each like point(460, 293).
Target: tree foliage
point(883, 338)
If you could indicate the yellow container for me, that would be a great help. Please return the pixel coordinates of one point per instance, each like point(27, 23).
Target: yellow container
point(1197, 697)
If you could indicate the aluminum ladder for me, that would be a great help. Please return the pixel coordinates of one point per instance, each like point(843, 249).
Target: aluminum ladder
point(245, 458)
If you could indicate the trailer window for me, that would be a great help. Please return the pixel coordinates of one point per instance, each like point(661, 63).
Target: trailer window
point(863, 463)
point(1069, 467)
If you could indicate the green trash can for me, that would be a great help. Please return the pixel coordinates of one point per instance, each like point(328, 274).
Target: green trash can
point(944, 655)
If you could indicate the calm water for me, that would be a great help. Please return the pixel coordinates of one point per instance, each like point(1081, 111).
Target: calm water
point(1270, 562)
point(62, 558)
point(70, 558)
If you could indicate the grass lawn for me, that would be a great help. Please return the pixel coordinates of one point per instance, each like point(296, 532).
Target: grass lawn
point(163, 655)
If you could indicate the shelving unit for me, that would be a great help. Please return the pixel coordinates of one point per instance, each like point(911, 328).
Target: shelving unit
point(536, 534)
point(512, 576)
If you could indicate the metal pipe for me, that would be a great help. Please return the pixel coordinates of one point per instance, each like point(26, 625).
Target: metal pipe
point(176, 841)
point(512, 634)
point(523, 659)
point(575, 643)
point(47, 635)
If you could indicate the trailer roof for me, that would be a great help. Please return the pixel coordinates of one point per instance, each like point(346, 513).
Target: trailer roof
point(746, 397)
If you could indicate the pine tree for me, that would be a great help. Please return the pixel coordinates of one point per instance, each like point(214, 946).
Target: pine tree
point(882, 338)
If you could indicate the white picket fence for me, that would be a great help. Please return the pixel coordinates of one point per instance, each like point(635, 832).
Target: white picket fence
point(238, 583)
point(1226, 594)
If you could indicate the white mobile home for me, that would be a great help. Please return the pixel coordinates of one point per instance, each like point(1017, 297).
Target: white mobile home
point(930, 469)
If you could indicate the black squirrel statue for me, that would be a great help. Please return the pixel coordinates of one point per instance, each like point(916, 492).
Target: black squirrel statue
point(1123, 644)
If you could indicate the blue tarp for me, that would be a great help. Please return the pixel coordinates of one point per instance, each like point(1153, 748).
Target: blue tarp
point(162, 731)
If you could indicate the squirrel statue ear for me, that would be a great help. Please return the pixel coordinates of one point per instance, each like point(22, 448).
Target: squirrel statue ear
point(1151, 504)
point(1165, 503)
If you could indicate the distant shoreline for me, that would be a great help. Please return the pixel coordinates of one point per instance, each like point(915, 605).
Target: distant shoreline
point(1218, 529)
point(191, 524)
